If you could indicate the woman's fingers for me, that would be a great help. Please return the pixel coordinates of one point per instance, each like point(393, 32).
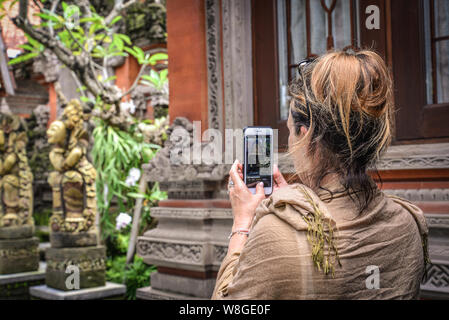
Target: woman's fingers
point(235, 176)
point(260, 190)
point(278, 177)
point(240, 170)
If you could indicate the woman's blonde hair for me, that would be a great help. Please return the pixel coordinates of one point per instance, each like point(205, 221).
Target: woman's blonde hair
point(345, 99)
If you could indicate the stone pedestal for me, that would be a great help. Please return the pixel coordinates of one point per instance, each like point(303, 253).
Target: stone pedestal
point(87, 262)
point(109, 291)
point(16, 286)
point(69, 240)
point(436, 284)
point(190, 240)
point(18, 250)
point(187, 247)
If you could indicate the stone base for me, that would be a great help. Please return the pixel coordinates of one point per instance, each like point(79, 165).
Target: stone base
point(90, 262)
point(148, 293)
point(26, 231)
point(19, 255)
point(16, 286)
point(109, 291)
point(73, 240)
point(201, 288)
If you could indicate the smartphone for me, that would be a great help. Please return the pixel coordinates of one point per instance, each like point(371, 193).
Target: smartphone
point(258, 162)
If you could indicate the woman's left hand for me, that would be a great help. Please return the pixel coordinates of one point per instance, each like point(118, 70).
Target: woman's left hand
point(243, 202)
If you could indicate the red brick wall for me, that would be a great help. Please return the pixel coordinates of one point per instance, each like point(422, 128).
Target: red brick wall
point(13, 36)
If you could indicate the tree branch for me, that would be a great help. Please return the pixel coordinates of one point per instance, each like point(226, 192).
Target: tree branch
point(118, 8)
point(136, 81)
point(23, 9)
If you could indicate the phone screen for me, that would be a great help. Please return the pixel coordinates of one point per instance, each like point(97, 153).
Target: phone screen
point(258, 160)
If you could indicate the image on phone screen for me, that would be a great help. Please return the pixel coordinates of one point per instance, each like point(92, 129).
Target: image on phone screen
point(258, 160)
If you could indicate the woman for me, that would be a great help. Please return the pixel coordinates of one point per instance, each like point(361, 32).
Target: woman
point(334, 235)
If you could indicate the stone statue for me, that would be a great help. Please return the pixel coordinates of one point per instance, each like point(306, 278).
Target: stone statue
point(18, 247)
point(73, 181)
point(73, 233)
point(17, 179)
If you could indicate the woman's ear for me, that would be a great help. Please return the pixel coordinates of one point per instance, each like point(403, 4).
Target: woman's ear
point(304, 130)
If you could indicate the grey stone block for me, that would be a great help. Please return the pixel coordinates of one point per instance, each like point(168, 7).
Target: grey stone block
point(69, 240)
point(108, 291)
point(16, 286)
point(19, 255)
point(24, 276)
point(148, 293)
point(26, 231)
point(202, 288)
point(89, 260)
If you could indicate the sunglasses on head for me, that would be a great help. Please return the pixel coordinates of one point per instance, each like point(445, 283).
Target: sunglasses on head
point(300, 67)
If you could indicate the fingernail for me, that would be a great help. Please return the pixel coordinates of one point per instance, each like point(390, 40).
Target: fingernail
point(261, 184)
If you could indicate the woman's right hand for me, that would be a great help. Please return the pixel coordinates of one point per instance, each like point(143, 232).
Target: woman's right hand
point(278, 179)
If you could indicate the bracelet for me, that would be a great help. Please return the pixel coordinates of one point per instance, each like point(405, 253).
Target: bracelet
point(239, 231)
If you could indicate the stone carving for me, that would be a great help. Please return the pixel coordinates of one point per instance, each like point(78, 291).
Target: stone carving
point(237, 66)
point(214, 77)
point(420, 194)
point(48, 65)
point(18, 247)
point(414, 163)
point(23, 252)
point(83, 264)
point(38, 144)
point(437, 221)
point(180, 177)
point(73, 181)
point(17, 179)
point(437, 276)
point(73, 233)
point(158, 98)
point(191, 213)
point(177, 252)
point(219, 253)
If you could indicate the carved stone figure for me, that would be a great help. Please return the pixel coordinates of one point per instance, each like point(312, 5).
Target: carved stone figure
point(47, 64)
point(173, 165)
point(73, 234)
point(17, 179)
point(18, 247)
point(73, 181)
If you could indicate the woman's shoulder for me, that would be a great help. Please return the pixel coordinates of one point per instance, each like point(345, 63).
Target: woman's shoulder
point(396, 203)
point(291, 204)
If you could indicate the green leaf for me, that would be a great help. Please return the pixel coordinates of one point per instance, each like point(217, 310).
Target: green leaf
point(23, 58)
point(130, 51)
point(158, 57)
point(125, 38)
point(110, 78)
point(135, 195)
point(140, 55)
point(116, 19)
point(163, 75)
point(48, 17)
point(26, 47)
point(33, 42)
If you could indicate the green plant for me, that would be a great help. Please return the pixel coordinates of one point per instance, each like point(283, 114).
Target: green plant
point(115, 154)
point(137, 276)
point(134, 276)
point(85, 41)
point(42, 218)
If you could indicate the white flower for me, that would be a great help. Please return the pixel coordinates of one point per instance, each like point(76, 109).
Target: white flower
point(122, 220)
point(128, 107)
point(105, 194)
point(133, 177)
